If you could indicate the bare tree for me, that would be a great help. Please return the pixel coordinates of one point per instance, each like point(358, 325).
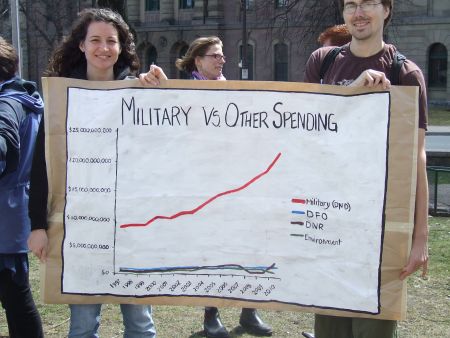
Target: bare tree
point(120, 6)
point(47, 21)
point(5, 21)
point(303, 20)
point(296, 20)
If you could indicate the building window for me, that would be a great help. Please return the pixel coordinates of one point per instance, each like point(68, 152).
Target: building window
point(249, 4)
point(437, 66)
point(249, 60)
point(151, 55)
point(281, 3)
point(281, 62)
point(184, 4)
point(181, 74)
point(152, 5)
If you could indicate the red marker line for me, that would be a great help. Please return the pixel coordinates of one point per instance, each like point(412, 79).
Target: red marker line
point(201, 206)
point(297, 200)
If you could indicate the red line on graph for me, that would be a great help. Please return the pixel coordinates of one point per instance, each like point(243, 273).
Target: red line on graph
point(201, 206)
point(297, 200)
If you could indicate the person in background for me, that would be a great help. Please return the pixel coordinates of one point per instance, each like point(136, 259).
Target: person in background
point(21, 110)
point(367, 62)
point(100, 47)
point(337, 35)
point(204, 60)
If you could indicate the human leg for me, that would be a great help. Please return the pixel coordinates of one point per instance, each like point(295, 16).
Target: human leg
point(344, 327)
point(84, 320)
point(252, 323)
point(138, 321)
point(374, 328)
point(213, 325)
point(332, 327)
point(17, 300)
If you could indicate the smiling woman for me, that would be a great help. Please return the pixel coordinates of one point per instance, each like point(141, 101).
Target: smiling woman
point(99, 47)
point(101, 40)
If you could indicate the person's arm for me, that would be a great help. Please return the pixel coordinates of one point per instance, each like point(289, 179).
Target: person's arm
point(419, 250)
point(312, 68)
point(37, 206)
point(3, 151)
point(153, 77)
point(9, 139)
point(38, 243)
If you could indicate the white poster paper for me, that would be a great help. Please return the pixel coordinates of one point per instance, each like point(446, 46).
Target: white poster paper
point(240, 194)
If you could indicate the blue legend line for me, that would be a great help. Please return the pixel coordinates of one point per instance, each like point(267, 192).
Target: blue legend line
point(298, 212)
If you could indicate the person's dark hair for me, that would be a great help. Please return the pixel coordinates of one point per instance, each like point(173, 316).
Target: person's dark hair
point(68, 55)
point(386, 3)
point(9, 61)
point(198, 47)
point(337, 35)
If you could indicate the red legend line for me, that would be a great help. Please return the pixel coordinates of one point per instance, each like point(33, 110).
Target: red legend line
point(297, 200)
point(201, 206)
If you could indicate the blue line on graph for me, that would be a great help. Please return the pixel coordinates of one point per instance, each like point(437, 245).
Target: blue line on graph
point(298, 212)
point(249, 269)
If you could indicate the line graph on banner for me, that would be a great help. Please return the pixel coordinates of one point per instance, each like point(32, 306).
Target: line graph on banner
point(229, 269)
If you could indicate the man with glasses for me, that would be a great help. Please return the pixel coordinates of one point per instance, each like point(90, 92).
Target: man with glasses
point(367, 61)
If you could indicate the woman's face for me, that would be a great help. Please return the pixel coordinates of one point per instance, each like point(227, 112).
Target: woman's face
point(210, 65)
point(102, 49)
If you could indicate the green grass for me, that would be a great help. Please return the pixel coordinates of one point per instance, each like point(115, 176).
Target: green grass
point(442, 176)
point(438, 117)
point(428, 305)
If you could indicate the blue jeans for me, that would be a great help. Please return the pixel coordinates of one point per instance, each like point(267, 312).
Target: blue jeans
point(85, 320)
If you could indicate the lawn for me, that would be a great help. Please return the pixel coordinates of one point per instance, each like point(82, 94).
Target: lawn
point(439, 117)
point(428, 305)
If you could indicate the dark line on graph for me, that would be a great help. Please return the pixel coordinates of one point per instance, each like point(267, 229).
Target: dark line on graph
point(115, 200)
point(257, 270)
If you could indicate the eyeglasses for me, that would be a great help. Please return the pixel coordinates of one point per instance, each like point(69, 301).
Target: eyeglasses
point(217, 56)
point(350, 7)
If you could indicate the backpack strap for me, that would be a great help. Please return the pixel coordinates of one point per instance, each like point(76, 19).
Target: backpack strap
point(397, 65)
point(327, 61)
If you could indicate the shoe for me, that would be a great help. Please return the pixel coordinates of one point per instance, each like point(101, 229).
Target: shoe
point(212, 325)
point(307, 334)
point(251, 323)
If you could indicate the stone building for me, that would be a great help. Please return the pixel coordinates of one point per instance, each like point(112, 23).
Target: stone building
point(420, 29)
point(164, 28)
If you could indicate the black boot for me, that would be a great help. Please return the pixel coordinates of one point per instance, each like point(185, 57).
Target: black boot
point(251, 323)
point(212, 325)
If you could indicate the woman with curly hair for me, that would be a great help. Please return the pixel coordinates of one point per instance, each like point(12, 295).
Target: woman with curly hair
point(100, 47)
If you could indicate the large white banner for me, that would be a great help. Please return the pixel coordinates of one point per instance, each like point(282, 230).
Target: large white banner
point(240, 194)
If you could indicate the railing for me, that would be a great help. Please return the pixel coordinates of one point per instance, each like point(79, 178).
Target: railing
point(439, 187)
